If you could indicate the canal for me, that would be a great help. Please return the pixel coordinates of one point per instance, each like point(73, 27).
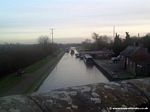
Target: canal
point(71, 71)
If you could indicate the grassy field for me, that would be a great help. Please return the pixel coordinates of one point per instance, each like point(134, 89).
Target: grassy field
point(31, 79)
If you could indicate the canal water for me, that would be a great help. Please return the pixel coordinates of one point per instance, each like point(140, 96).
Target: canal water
point(71, 71)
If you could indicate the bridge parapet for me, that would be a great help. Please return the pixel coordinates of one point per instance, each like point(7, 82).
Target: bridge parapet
point(89, 98)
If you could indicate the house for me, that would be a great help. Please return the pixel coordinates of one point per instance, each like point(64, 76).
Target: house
point(136, 60)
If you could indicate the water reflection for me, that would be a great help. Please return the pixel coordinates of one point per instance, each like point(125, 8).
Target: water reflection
point(71, 71)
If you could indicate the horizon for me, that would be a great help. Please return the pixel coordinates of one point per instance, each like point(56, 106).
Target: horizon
point(72, 20)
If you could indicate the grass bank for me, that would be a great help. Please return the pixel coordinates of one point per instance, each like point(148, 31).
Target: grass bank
point(45, 71)
point(32, 78)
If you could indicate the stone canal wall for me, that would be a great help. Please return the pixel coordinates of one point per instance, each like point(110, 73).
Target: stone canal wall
point(105, 72)
point(89, 98)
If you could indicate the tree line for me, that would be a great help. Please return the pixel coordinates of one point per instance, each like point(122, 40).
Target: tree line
point(17, 56)
point(118, 44)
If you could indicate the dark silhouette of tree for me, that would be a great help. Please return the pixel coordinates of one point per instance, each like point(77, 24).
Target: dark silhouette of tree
point(117, 46)
point(44, 40)
point(14, 57)
point(95, 36)
point(127, 36)
point(100, 42)
point(127, 40)
point(87, 44)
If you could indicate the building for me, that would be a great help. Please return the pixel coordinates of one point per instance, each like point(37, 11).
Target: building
point(136, 60)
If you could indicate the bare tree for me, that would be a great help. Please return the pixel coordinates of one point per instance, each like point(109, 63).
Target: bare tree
point(44, 40)
point(100, 41)
point(95, 36)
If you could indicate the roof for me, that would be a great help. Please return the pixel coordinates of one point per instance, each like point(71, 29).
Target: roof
point(129, 51)
point(138, 54)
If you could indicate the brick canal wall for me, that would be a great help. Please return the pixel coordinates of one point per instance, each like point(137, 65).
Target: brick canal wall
point(89, 98)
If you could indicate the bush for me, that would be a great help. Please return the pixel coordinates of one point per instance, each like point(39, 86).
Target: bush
point(16, 56)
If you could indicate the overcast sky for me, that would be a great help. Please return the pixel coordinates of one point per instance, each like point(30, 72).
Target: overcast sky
point(25, 20)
